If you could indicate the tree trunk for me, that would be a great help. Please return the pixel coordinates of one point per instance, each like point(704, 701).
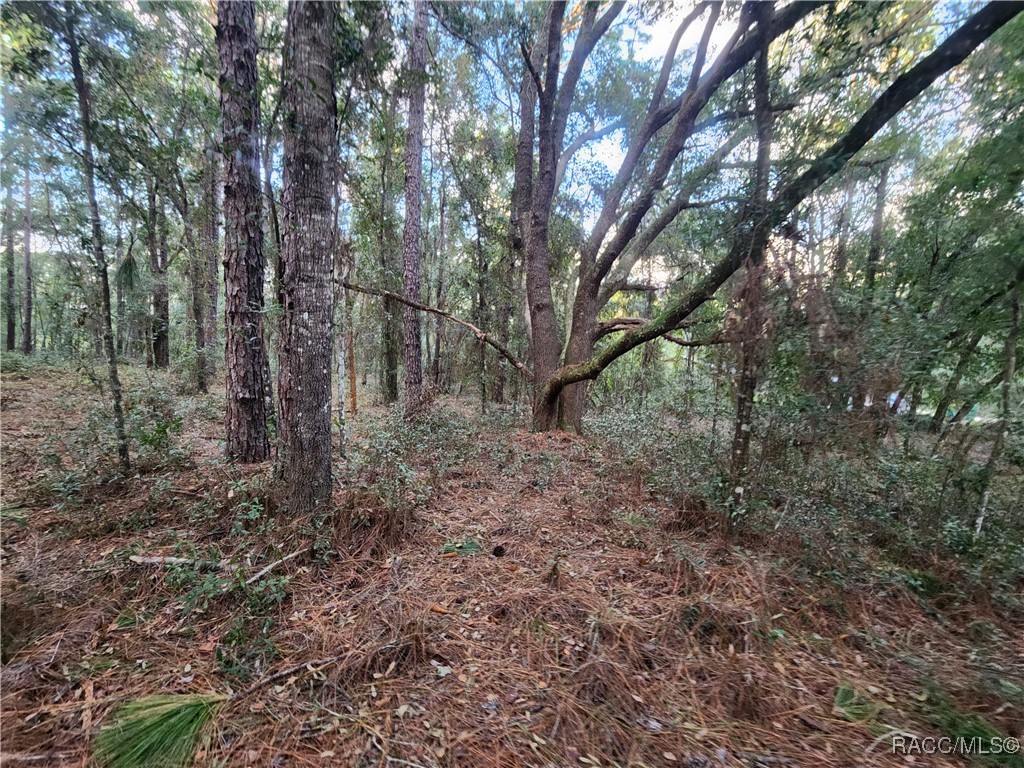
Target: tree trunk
point(350, 335)
point(99, 259)
point(211, 244)
point(442, 243)
point(307, 245)
point(547, 345)
point(9, 262)
point(480, 314)
point(751, 309)
point(198, 279)
point(390, 333)
point(156, 234)
point(411, 246)
point(246, 370)
point(877, 224)
point(26, 307)
point(119, 340)
point(1009, 368)
point(503, 320)
point(841, 258)
point(939, 417)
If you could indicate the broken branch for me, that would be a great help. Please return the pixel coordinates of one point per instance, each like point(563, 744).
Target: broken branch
point(480, 335)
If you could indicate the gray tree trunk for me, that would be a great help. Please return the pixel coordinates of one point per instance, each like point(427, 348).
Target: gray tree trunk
point(159, 256)
point(99, 258)
point(26, 295)
point(9, 265)
point(411, 247)
point(310, 157)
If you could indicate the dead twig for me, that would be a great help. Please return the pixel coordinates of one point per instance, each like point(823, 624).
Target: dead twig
point(274, 565)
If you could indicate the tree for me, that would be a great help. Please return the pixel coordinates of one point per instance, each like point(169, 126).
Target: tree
point(556, 400)
point(245, 358)
point(411, 246)
point(8, 228)
point(159, 258)
point(308, 242)
point(99, 258)
point(26, 246)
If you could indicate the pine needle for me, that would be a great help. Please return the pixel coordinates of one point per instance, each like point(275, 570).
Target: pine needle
point(157, 732)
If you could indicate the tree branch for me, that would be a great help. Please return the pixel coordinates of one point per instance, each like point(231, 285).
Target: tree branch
point(480, 335)
point(951, 52)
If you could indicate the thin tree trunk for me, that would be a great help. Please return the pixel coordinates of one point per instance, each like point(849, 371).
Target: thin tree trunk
point(841, 259)
point(26, 308)
point(273, 222)
point(156, 240)
point(751, 305)
point(119, 289)
point(99, 259)
point(9, 309)
point(481, 314)
point(391, 336)
point(350, 335)
point(411, 246)
point(198, 279)
point(211, 243)
point(954, 383)
point(246, 368)
point(877, 224)
point(1009, 368)
point(307, 319)
point(439, 303)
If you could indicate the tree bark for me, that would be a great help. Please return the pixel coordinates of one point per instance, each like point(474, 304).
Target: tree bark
point(9, 310)
point(246, 370)
point(307, 246)
point(211, 245)
point(8, 173)
point(547, 345)
point(99, 258)
point(349, 269)
point(121, 301)
point(390, 333)
point(159, 256)
point(411, 247)
point(26, 244)
point(198, 279)
point(751, 306)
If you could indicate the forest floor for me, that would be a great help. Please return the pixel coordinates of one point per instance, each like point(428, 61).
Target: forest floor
point(496, 598)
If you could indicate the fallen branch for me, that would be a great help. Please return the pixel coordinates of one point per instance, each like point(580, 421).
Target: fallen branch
point(480, 335)
point(274, 565)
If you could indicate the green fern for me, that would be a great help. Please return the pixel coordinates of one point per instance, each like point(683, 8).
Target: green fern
point(156, 732)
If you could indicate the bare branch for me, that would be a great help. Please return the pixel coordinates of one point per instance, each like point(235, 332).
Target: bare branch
point(480, 335)
point(908, 86)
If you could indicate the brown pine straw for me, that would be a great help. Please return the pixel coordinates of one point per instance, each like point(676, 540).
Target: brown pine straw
point(616, 629)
